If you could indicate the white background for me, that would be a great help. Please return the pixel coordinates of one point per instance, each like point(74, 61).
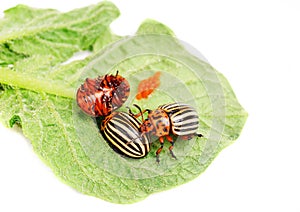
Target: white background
point(255, 44)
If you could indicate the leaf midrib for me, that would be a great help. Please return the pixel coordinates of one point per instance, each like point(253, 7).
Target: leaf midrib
point(23, 80)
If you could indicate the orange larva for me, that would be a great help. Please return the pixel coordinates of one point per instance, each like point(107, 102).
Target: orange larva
point(147, 86)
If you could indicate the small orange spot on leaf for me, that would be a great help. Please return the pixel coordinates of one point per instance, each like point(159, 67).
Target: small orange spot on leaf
point(147, 86)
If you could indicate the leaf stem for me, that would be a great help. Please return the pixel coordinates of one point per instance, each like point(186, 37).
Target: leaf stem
point(21, 80)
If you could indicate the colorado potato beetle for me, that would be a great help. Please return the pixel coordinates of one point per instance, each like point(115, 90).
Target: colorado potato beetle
point(121, 131)
point(177, 118)
point(102, 95)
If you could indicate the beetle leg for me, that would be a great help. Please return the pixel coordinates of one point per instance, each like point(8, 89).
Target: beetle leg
point(129, 111)
point(135, 115)
point(169, 138)
point(189, 137)
point(161, 141)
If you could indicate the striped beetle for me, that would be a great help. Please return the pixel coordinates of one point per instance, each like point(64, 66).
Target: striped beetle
point(177, 118)
point(121, 131)
point(100, 96)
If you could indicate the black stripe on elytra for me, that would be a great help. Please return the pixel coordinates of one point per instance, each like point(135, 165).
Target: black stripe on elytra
point(120, 137)
point(183, 119)
point(180, 111)
point(183, 125)
point(128, 120)
point(175, 107)
point(185, 130)
point(115, 148)
point(124, 129)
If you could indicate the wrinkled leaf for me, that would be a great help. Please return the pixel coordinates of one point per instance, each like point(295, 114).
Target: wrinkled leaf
point(37, 93)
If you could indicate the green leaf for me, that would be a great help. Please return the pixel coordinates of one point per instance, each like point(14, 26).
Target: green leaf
point(37, 94)
point(34, 43)
point(150, 26)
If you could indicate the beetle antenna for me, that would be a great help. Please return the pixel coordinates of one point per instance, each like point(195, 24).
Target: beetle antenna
point(117, 73)
point(129, 111)
point(148, 111)
point(141, 112)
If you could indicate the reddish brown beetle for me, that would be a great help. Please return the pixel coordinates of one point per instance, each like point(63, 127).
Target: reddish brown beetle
point(102, 95)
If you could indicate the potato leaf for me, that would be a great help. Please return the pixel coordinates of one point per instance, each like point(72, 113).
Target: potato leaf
point(37, 93)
